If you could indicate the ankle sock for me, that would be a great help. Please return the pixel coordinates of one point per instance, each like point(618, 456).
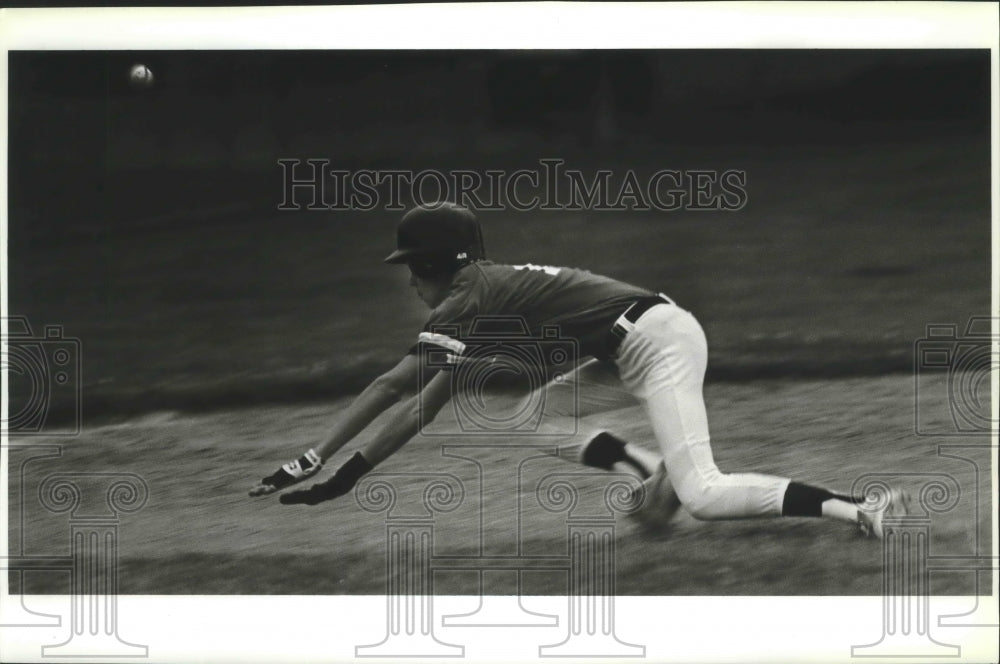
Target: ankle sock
point(805, 500)
point(605, 450)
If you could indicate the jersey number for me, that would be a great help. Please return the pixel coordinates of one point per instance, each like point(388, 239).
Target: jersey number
point(547, 269)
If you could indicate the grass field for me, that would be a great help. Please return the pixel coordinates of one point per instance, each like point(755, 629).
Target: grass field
point(200, 534)
point(217, 348)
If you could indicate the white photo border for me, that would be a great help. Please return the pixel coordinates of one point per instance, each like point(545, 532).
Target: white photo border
point(326, 629)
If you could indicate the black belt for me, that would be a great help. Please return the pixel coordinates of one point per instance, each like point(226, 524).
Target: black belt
point(629, 317)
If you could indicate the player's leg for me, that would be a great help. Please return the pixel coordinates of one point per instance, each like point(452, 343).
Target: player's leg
point(578, 404)
point(593, 388)
point(663, 362)
point(581, 403)
point(607, 451)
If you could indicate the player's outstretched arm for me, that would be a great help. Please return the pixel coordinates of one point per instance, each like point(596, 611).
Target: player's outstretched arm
point(419, 409)
point(382, 393)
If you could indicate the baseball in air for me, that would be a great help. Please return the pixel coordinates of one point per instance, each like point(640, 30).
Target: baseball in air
point(140, 76)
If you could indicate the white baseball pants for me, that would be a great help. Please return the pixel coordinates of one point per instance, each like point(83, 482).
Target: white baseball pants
point(661, 364)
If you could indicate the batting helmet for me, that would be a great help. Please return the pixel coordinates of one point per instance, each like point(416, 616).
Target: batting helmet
point(443, 235)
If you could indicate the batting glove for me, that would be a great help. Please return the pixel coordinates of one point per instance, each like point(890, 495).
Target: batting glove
point(338, 485)
point(291, 473)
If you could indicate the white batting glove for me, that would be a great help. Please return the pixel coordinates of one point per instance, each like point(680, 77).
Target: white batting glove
point(290, 473)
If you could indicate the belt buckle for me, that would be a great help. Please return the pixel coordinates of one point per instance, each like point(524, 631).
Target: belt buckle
point(623, 325)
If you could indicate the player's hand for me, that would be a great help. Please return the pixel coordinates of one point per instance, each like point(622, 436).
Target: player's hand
point(291, 473)
point(342, 482)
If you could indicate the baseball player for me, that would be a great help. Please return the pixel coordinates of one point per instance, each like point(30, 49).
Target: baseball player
point(654, 350)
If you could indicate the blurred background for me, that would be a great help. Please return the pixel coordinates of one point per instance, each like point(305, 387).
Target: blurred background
point(146, 222)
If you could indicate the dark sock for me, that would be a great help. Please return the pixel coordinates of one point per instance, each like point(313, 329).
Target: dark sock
point(805, 500)
point(605, 450)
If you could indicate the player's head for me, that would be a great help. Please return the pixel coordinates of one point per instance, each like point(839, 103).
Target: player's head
point(438, 240)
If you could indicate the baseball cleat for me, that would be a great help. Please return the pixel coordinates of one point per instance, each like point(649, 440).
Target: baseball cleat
point(871, 519)
point(290, 473)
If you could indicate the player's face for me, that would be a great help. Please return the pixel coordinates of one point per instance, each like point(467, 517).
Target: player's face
point(431, 290)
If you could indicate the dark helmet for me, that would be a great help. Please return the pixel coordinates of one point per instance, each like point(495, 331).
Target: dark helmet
point(442, 238)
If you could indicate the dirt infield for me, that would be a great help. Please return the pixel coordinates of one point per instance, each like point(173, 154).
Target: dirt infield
point(201, 534)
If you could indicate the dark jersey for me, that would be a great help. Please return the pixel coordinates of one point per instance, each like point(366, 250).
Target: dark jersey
point(487, 299)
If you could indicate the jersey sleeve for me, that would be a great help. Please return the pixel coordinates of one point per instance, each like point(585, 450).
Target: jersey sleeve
point(450, 322)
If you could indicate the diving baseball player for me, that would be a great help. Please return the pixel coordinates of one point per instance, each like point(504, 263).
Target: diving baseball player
point(644, 348)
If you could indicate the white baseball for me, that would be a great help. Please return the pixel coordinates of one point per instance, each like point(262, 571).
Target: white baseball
point(140, 76)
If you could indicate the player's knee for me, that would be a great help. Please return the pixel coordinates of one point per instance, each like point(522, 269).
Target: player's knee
point(701, 509)
point(701, 499)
